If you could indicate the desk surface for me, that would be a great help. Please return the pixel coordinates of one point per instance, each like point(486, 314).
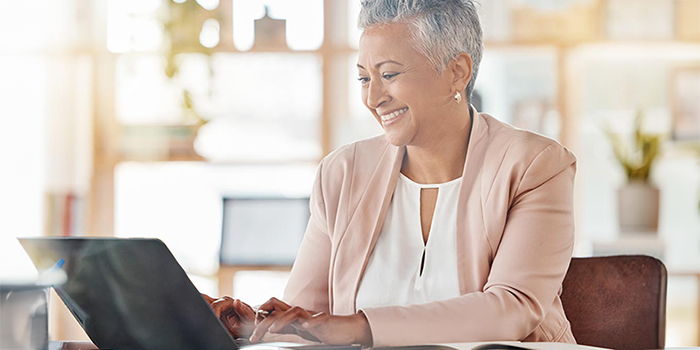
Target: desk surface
point(74, 345)
point(71, 345)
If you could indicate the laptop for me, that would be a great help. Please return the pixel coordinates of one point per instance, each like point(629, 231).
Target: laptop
point(132, 294)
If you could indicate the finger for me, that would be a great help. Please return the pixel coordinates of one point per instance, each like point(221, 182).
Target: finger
point(231, 324)
point(275, 308)
point(240, 309)
point(222, 306)
point(270, 306)
point(274, 304)
point(208, 298)
point(245, 329)
point(262, 326)
point(244, 311)
point(237, 326)
point(295, 316)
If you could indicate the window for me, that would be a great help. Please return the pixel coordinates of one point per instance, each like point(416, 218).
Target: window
point(304, 21)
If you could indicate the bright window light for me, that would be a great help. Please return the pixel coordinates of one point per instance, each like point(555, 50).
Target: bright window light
point(209, 36)
point(133, 25)
point(353, 31)
point(23, 82)
point(144, 94)
point(257, 287)
point(209, 4)
point(304, 21)
point(36, 24)
point(181, 202)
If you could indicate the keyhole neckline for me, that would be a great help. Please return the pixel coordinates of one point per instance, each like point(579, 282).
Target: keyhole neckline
point(422, 186)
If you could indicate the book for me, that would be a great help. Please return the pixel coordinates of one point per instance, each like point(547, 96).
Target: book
point(520, 346)
point(506, 345)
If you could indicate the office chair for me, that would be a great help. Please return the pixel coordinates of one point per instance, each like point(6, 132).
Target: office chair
point(617, 302)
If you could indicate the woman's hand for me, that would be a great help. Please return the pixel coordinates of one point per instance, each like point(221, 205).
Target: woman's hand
point(317, 326)
point(238, 317)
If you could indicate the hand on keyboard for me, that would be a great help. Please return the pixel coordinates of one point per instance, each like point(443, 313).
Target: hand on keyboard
point(237, 316)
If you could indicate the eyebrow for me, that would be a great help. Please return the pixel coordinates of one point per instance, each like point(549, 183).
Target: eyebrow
point(381, 63)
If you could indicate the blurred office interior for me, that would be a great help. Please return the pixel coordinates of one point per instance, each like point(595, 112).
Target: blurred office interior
point(201, 123)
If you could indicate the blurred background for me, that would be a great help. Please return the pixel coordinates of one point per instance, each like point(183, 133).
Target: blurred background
point(193, 121)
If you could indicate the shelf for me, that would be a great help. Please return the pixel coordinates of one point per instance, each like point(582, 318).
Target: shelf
point(233, 162)
point(575, 44)
point(153, 159)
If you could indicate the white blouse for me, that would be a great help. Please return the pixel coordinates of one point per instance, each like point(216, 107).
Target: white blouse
point(393, 274)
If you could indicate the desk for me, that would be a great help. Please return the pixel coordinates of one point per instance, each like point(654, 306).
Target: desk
point(71, 345)
point(67, 345)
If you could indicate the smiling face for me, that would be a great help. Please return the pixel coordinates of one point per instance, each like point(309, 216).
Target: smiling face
point(401, 88)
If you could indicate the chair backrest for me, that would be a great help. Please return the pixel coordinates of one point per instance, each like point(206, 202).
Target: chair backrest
point(617, 302)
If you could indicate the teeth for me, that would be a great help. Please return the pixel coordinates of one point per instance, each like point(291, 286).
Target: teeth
point(394, 114)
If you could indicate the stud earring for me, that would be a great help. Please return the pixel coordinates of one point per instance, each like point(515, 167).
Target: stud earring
point(458, 97)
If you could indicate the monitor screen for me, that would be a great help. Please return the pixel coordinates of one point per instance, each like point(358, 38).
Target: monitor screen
point(263, 231)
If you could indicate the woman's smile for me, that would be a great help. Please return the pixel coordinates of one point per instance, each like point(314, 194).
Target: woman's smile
point(392, 117)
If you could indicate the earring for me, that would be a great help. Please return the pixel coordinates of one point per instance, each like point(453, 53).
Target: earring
point(458, 97)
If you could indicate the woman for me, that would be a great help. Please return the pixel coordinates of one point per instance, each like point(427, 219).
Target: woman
point(450, 227)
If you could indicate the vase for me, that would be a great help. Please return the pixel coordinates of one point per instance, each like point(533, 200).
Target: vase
point(638, 207)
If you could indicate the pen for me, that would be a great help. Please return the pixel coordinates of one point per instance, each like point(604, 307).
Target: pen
point(262, 313)
point(54, 275)
point(59, 264)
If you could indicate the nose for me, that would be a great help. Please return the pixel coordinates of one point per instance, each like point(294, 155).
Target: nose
point(376, 94)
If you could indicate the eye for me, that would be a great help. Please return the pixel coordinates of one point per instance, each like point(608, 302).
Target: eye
point(388, 76)
point(363, 80)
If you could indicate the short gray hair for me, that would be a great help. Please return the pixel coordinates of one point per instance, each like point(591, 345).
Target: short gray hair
point(442, 29)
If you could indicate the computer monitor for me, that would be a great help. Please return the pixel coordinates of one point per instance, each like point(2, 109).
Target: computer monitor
point(262, 230)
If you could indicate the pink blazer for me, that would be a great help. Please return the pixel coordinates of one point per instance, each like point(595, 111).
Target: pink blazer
point(515, 235)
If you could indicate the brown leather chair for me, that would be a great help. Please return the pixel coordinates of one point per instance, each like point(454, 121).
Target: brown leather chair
point(617, 302)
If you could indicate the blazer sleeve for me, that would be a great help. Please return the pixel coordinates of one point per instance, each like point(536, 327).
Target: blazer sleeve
point(526, 274)
point(308, 283)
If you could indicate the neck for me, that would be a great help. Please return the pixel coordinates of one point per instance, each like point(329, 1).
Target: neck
point(441, 158)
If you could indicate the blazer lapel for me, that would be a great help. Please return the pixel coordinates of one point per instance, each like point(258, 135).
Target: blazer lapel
point(355, 247)
point(468, 203)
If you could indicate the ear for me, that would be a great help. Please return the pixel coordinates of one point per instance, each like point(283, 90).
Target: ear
point(461, 67)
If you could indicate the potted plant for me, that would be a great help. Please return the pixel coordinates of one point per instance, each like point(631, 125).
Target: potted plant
point(638, 198)
point(183, 22)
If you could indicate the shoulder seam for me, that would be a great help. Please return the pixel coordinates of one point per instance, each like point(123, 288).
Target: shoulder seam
point(520, 181)
point(488, 194)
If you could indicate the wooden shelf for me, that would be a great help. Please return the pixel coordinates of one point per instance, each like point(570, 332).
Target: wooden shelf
point(529, 43)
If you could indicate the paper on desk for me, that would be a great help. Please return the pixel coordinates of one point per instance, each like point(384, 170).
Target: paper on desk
point(531, 346)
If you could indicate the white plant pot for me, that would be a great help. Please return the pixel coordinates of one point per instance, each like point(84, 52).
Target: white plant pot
point(638, 205)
